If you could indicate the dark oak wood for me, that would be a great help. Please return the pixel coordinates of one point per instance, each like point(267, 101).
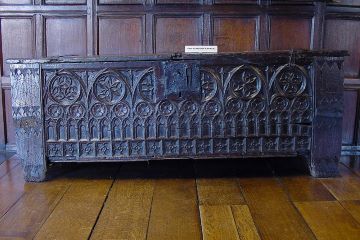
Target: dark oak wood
point(284, 33)
point(65, 36)
point(91, 27)
point(121, 35)
point(233, 34)
point(180, 106)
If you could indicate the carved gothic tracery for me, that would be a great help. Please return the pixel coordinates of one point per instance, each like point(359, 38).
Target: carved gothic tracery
point(118, 113)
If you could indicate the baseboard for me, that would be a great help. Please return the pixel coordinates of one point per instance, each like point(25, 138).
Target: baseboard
point(350, 150)
point(10, 147)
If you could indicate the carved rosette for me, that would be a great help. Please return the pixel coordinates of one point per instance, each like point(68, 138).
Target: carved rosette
point(109, 87)
point(291, 91)
point(64, 88)
point(245, 82)
point(290, 80)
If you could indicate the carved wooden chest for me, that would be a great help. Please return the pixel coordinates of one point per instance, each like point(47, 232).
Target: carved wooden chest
point(181, 106)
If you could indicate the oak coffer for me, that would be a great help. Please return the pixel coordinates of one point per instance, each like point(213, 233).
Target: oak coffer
point(135, 108)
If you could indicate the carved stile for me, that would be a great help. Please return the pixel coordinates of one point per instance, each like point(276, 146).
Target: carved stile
point(28, 117)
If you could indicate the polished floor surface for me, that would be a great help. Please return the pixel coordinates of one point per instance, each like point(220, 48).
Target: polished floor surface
point(217, 199)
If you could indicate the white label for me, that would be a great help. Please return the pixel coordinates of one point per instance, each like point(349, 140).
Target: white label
point(201, 49)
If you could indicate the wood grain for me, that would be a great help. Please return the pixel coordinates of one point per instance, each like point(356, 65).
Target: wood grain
point(218, 223)
point(353, 207)
point(83, 198)
point(329, 220)
point(285, 33)
point(126, 212)
point(21, 31)
point(76, 214)
point(174, 212)
point(346, 187)
point(304, 188)
point(33, 208)
point(245, 223)
point(123, 35)
point(170, 37)
point(219, 191)
point(273, 213)
point(344, 34)
point(65, 36)
point(234, 34)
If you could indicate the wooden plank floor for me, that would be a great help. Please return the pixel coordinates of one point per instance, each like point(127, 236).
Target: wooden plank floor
point(180, 199)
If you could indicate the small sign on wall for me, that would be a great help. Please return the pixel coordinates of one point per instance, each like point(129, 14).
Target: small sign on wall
point(201, 49)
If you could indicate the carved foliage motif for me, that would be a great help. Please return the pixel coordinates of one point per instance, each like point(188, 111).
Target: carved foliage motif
point(116, 113)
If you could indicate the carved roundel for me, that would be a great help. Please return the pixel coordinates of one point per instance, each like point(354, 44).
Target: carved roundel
point(144, 109)
point(166, 108)
point(290, 80)
point(245, 82)
point(212, 108)
point(257, 105)
point(55, 111)
point(98, 110)
point(234, 105)
point(64, 88)
point(189, 107)
point(109, 88)
point(76, 111)
point(279, 103)
point(121, 110)
point(208, 85)
point(301, 103)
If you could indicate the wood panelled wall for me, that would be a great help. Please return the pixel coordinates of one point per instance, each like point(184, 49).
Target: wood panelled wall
point(41, 28)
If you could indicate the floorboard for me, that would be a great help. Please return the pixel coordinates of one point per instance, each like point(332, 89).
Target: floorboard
point(180, 199)
point(273, 213)
point(29, 213)
point(85, 197)
point(174, 212)
point(329, 220)
point(127, 210)
point(353, 207)
point(299, 186)
point(346, 187)
point(218, 223)
point(245, 223)
point(219, 191)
